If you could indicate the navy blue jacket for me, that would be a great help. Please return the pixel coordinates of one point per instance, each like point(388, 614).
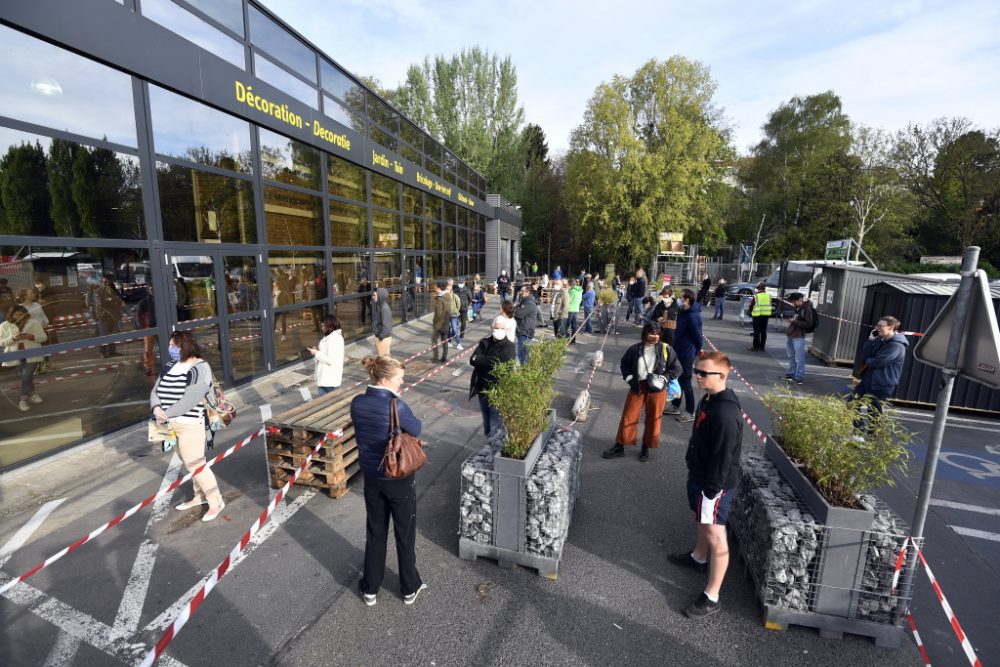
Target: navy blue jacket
point(687, 337)
point(884, 359)
point(370, 414)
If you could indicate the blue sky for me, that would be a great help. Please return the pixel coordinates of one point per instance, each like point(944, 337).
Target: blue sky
point(892, 63)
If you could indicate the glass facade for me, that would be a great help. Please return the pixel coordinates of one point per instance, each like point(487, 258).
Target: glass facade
point(128, 210)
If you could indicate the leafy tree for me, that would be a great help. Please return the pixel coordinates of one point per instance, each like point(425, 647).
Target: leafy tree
point(23, 190)
point(62, 208)
point(643, 159)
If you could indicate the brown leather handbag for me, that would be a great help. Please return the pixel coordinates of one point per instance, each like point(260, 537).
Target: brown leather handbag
point(404, 454)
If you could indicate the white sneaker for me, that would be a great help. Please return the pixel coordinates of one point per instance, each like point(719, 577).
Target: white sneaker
point(211, 514)
point(190, 504)
point(23, 405)
point(412, 597)
point(459, 347)
point(35, 398)
point(369, 599)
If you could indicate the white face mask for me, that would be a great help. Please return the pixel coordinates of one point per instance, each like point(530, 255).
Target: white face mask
point(460, 285)
point(499, 334)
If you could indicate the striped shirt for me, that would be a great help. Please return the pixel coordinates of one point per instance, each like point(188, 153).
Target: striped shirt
point(171, 388)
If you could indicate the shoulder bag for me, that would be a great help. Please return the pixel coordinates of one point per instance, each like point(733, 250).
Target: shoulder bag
point(404, 454)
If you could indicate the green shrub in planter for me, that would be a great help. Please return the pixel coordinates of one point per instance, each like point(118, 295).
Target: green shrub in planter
point(819, 433)
point(607, 297)
point(522, 394)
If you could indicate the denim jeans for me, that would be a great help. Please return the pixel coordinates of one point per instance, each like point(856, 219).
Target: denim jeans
point(637, 304)
point(687, 363)
point(795, 350)
point(571, 326)
point(586, 317)
point(491, 418)
point(719, 304)
point(26, 373)
point(522, 349)
point(323, 391)
point(455, 331)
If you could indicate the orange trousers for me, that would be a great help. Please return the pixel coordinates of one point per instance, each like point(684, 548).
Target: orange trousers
point(628, 426)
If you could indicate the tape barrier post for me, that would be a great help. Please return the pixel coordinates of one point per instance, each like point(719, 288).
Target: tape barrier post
point(121, 517)
point(593, 371)
point(223, 567)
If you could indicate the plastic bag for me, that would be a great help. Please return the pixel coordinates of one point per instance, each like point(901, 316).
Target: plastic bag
point(673, 390)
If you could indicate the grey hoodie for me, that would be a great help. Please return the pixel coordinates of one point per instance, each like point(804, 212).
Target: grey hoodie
point(382, 315)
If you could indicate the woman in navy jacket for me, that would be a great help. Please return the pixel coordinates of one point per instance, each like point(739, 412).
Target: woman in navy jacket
point(385, 497)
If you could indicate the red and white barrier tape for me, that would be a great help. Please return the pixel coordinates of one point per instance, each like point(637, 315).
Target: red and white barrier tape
point(121, 517)
point(970, 653)
point(916, 638)
point(741, 377)
point(593, 371)
point(437, 370)
point(223, 567)
point(860, 324)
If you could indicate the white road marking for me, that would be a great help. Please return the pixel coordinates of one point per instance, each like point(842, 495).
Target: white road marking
point(966, 508)
point(951, 418)
point(63, 652)
point(306, 396)
point(27, 530)
point(950, 424)
point(265, 412)
point(972, 532)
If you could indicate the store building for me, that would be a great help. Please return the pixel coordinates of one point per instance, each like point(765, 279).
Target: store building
point(503, 237)
point(229, 178)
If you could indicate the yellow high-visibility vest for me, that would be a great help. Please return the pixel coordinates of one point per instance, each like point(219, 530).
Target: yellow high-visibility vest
point(761, 305)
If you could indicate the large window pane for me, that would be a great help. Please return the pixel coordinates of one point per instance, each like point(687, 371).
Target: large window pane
point(348, 225)
point(246, 348)
point(411, 154)
point(386, 228)
point(345, 180)
point(195, 30)
point(413, 202)
point(412, 233)
point(43, 84)
point(281, 45)
point(382, 138)
point(462, 236)
point(449, 265)
point(227, 12)
point(449, 212)
point(54, 187)
point(193, 294)
point(198, 206)
point(342, 114)
point(294, 331)
point(434, 242)
point(293, 218)
point(187, 129)
point(282, 80)
point(388, 269)
point(347, 271)
point(410, 133)
point(342, 86)
point(288, 161)
point(354, 315)
point(449, 237)
point(242, 290)
point(296, 277)
point(432, 207)
point(385, 192)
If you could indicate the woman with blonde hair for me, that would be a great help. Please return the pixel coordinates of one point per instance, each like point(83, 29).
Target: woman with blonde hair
point(21, 331)
point(385, 497)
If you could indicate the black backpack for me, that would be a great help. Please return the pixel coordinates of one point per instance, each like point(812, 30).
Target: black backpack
point(815, 318)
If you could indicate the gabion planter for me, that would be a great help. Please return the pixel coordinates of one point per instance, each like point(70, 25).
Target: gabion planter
point(816, 565)
point(518, 512)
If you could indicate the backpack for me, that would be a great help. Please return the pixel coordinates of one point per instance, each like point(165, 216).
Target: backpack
point(815, 318)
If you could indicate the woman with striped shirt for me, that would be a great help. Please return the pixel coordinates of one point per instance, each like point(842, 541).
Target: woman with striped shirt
point(178, 397)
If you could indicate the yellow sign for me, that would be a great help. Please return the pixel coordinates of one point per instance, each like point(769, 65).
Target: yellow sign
point(245, 95)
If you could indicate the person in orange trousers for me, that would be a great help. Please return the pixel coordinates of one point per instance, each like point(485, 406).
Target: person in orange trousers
point(645, 358)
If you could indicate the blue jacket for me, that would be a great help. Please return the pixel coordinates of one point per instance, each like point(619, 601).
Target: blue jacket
point(687, 337)
point(370, 414)
point(884, 359)
point(589, 298)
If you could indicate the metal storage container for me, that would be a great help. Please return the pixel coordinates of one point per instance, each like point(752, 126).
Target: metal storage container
point(840, 293)
point(916, 305)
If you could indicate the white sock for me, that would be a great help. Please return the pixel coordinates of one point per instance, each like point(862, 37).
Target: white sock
point(713, 598)
point(700, 562)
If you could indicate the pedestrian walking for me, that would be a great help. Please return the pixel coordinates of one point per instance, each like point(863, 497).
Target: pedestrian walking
point(329, 355)
point(588, 302)
point(503, 285)
point(21, 331)
point(464, 300)
point(647, 357)
point(883, 355)
point(760, 311)
point(713, 462)
point(721, 289)
point(560, 308)
point(802, 322)
point(629, 289)
point(382, 322)
point(178, 398)
point(688, 343)
point(384, 497)
point(526, 317)
point(490, 351)
point(454, 309)
point(478, 300)
point(441, 323)
point(640, 293)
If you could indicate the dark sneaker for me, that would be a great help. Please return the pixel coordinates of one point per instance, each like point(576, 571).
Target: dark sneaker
point(412, 597)
point(786, 376)
point(702, 607)
point(614, 452)
point(799, 381)
point(671, 410)
point(687, 560)
point(644, 454)
point(685, 417)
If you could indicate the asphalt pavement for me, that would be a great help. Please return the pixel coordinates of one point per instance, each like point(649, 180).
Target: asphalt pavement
point(292, 599)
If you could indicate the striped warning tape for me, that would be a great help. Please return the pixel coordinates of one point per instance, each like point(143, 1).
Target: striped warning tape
point(223, 567)
point(741, 377)
point(613, 324)
point(916, 638)
point(860, 324)
point(126, 514)
point(963, 639)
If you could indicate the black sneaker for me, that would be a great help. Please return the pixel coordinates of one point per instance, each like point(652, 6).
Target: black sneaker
point(702, 607)
point(687, 560)
point(644, 454)
point(614, 452)
point(799, 381)
point(786, 376)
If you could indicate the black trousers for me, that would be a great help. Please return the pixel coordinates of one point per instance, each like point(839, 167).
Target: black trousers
point(396, 498)
point(760, 331)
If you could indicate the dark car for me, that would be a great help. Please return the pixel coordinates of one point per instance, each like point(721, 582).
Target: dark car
point(739, 290)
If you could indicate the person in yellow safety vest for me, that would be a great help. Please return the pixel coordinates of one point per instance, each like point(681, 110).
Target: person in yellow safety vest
point(760, 310)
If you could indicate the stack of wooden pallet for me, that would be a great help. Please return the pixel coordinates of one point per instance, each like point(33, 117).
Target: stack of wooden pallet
point(547, 295)
point(293, 434)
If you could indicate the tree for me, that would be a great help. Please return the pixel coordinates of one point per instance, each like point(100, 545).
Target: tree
point(62, 208)
point(23, 190)
point(644, 158)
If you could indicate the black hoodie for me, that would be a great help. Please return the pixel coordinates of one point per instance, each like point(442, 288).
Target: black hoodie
point(713, 454)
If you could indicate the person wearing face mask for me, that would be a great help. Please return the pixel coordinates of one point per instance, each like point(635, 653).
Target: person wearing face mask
point(490, 351)
point(560, 308)
point(178, 398)
point(23, 332)
point(688, 342)
point(464, 300)
point(649, 356)
point(503, 285)
point(526, 317)
point(329, 356)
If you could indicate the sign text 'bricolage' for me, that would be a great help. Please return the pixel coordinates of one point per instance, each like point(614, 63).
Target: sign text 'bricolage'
point(245, 95)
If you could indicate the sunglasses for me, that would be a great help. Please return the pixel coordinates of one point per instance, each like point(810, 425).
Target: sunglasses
point(704, 374)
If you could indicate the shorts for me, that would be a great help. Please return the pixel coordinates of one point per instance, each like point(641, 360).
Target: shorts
point(709, 511)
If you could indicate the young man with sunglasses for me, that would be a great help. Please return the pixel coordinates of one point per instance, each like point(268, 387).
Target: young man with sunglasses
point(713, 460)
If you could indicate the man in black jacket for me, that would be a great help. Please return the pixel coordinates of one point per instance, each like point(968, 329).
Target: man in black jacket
point(492, 350)
point(713, 460)
point(526, 316)
point(382, 322)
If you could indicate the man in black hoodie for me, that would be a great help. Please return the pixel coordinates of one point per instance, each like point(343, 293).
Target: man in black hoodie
point(382, 322)
point(713, 460)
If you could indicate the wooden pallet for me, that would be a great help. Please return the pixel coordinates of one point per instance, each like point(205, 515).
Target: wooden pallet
point(297, 432)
